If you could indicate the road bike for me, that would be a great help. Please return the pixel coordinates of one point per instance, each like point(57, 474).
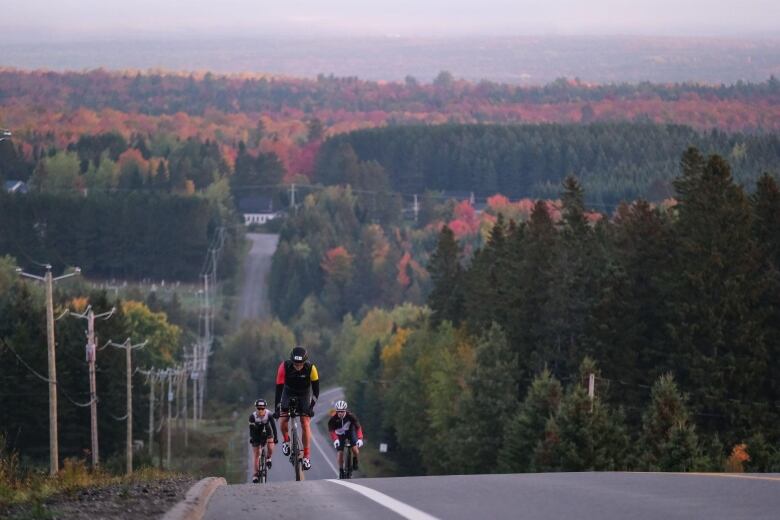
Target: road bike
point(346, 459)
point(262, 475)
point(296, 458)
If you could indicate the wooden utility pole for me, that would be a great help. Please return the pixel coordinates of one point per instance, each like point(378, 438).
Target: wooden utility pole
point(168, 422)
point(184, 401)
point(151, 412)
point(54, 449)
point(90, 316)
point(48, 281)
point(129, 417)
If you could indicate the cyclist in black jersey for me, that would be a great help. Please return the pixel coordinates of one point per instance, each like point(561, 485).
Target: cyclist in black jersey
point(262, 431)
point(341, 425)
point(297, 377)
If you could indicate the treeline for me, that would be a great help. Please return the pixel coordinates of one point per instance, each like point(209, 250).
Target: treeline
point(614, 162)
point(341, 253)
point(120, 235)
point(154, 93)
point(676, 314)
point(24, 398)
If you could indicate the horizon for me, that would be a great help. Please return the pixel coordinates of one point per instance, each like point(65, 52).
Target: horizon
point(94, 19)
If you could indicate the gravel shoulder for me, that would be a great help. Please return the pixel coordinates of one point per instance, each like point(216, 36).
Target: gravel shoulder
point(132, 501)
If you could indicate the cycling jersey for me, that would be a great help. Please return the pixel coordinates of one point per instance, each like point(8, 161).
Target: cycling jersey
point(262, 427)
point(339, 427)
point(297, 383)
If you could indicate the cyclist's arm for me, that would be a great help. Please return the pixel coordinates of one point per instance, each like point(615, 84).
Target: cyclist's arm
point(332, 428)
point(272, 422)
point(315, 382)
point(279, 385)
point(358, 427)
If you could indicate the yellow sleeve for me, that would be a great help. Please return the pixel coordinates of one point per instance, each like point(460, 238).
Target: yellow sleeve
point(314, 375)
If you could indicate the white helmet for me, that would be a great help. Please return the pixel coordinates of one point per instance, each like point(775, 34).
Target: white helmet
point(341, 406)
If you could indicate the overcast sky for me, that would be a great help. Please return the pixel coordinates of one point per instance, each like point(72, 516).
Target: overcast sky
point(32, 19)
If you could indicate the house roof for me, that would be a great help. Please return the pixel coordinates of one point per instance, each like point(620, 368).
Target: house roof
point(256, 204)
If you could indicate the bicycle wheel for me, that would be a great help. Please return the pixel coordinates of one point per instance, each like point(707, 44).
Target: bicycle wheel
point(347, 461)
point(298, 462)
point(263, 469)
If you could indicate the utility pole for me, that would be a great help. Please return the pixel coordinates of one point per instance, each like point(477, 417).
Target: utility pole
point(150, 379)
point(416, 208)
point(184, 402)
point(129, 418)
point(591, 388)
point(48, 280)
point(90, 316)
point(292, 195)
point(169, 373)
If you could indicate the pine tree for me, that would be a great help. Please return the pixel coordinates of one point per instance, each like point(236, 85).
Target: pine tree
point(584, 435)
point(716, 328)
point(446, 300)
point(668, 441)
point(527, 427)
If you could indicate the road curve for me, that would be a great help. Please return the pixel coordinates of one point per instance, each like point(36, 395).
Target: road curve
point(254, 301)
point(602, 496)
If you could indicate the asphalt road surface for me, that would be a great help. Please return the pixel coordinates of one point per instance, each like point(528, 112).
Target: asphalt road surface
point(254, 303)
point(602, 496)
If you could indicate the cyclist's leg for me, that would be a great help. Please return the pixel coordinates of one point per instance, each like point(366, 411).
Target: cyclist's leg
point(284, 417)
point(256, 458)
point(306, 423)
point(269, 448)
point(340, 451)
point(353, 438)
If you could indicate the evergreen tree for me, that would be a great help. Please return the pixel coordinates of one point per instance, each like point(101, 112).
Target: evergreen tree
point(527, 427)
point(668, 441)
point(445, 299)
point(584, 435)
point(494, 392)
point(719, 346)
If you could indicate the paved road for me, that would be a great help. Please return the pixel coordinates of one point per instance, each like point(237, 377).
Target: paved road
point(323, 457)
point(602, 496)
point(254, 302)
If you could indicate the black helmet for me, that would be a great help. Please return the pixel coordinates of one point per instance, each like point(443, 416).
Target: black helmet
point(261, 402)
point(299, 355)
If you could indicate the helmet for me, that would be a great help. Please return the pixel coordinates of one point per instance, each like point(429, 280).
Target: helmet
point(299, 355)
point(261, 402)
point(341, 406)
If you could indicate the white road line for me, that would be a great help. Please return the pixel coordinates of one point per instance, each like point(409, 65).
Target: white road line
point(396, 506)
point(315, 434)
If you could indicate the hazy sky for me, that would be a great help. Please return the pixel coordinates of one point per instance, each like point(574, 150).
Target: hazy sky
point(32, 19)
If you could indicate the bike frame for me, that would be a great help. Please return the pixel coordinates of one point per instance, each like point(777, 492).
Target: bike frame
point(346, 457)
point(295, 456)
point(263, 469)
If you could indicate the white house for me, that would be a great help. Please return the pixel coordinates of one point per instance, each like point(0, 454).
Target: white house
point(257, 209)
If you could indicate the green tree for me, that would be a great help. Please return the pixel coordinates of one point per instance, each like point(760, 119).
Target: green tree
point(526, 428)
point(668, 441)
point(446, 298)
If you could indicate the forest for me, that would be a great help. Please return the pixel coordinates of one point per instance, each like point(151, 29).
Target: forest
point(614, 162)
point(675, 311)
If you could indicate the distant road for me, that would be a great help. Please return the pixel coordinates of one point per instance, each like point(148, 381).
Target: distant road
point(254, 293)
point(601, 496)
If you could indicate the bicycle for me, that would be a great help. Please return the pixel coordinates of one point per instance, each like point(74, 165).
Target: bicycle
point(295, 442)
point(263, 473)
point(346, 460)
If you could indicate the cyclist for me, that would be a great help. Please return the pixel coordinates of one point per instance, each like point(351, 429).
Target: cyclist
point(341, 424)
point(297, 377)
point(262, 426)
